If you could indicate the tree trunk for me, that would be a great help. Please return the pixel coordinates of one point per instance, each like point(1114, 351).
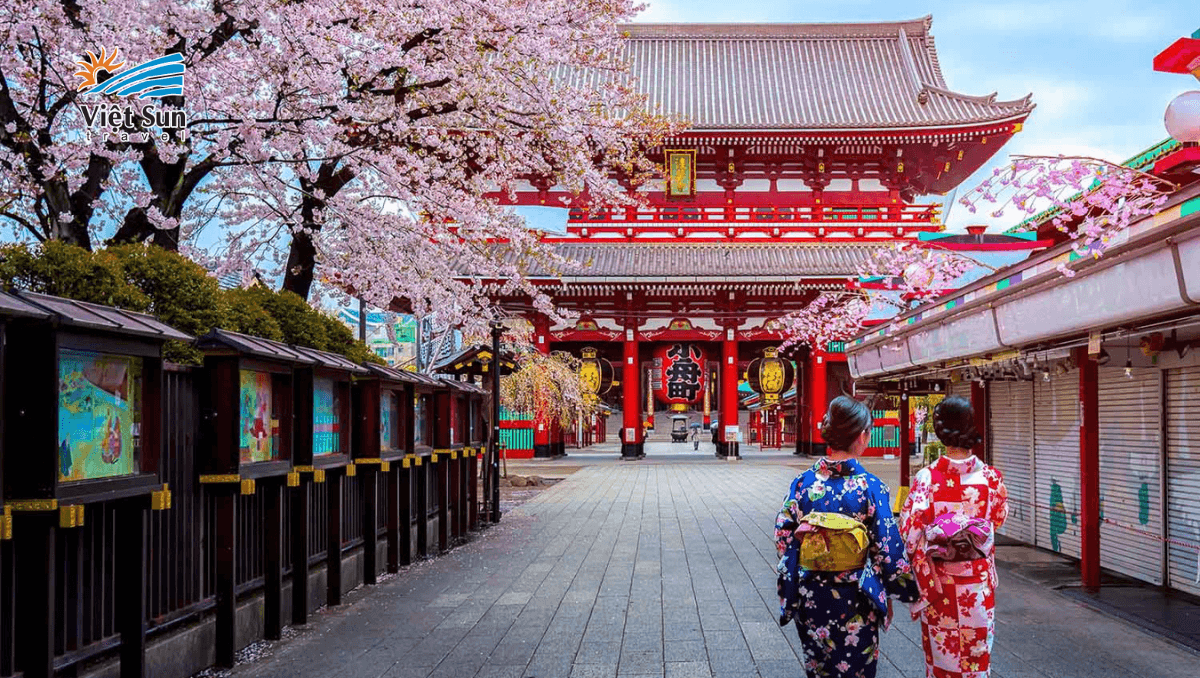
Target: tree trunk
point(302, 253)
point(301, 264)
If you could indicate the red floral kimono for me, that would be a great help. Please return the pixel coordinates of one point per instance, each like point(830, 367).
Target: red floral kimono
point(958, 599)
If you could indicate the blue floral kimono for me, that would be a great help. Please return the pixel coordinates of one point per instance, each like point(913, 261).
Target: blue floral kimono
point(838, 614)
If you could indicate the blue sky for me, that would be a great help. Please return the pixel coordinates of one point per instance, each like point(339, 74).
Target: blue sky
point(1088, 64)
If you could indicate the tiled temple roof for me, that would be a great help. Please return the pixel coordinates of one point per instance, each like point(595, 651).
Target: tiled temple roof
point(643, 262)
point(804, 77)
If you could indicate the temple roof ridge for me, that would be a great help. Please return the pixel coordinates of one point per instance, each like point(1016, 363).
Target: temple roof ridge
point(760, 30)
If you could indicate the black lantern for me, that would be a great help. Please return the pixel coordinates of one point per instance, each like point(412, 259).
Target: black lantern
point(596, 372)
point(770, 376)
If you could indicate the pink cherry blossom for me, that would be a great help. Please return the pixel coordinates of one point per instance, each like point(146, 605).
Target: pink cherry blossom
point(351, 141)
point(1090, 200)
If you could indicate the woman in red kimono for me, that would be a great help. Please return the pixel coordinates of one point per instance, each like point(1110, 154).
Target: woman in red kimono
point(948, 525)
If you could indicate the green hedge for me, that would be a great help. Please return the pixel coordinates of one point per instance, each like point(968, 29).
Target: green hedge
point(176, 290)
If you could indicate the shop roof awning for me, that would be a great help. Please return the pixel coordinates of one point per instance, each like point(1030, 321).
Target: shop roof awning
point(1152, 272)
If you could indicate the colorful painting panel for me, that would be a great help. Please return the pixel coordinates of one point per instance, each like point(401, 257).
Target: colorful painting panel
point(99, 415)
point(259, 429)
point(327, 417)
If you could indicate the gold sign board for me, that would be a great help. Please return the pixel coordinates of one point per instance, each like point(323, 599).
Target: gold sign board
point(681, 172)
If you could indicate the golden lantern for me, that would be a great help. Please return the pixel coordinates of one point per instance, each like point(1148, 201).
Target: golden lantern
point(770, 376)
point(596, 372)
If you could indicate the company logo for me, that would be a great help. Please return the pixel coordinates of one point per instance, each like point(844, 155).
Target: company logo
point(104, 76)
point(157, 78)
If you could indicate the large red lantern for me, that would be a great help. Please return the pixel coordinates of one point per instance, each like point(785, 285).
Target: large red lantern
point(679, 376)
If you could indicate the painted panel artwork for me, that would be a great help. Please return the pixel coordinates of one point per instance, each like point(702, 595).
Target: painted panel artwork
point(327, 417)
point(99, 415)
point(260, 429)
point(389, 438)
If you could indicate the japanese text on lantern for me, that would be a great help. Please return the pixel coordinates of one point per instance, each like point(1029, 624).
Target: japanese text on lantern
point(679, 374)
point(683, 376)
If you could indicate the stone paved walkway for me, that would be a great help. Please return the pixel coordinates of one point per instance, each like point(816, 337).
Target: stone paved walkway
point(664, 569)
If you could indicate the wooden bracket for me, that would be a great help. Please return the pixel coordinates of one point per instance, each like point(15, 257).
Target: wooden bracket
point(70, 516)
point(161, 500)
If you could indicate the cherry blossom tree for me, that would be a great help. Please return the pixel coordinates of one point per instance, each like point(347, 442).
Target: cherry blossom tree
point(832, 316)
point(548, 385)
point(65, 179)
point(893, 278)
point(1089, 200)
point(917, 271)
point(354, 136)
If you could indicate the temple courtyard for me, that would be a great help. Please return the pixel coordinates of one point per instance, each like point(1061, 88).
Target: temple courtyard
point(663, 567)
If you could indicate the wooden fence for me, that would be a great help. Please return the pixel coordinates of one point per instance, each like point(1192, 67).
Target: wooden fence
point(415, 506)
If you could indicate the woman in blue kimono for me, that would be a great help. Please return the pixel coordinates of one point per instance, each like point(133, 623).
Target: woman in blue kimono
point(838, 613)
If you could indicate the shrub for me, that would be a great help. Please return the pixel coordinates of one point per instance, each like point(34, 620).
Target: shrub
point(342, 340)
point(247, 315)
point(70, 271)
point(181, 294)
point(178, 291)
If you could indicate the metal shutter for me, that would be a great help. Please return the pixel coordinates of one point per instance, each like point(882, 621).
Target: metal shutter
point(1010, 427)
point(960, 388)
point(1183, 479)
point(1056, 462)
point(1130, 483)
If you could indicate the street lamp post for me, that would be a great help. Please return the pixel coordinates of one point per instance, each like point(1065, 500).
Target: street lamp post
point(494, 456)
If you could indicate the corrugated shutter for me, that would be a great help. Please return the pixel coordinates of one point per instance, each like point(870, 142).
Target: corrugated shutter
point(1056, 462)
point(1183, 479)
point(961, 388)
point(1130, 484)
point(1010, 426)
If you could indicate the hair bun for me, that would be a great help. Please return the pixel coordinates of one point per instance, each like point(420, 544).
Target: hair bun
point(844, 421)
point(954, 423)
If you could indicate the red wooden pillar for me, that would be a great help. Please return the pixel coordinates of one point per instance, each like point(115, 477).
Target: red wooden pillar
point(631, 405)
point(979, 403)
point(729, 393)
point(542, 426)
point(1089, 471)
point(905, 448)
point(818, 399)
point(800, 426)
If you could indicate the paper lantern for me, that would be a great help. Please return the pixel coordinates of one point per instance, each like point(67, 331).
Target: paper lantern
point(770, 376)
point(596, 372)
point(678, 377)
point(918, 275)
point(1182, 118)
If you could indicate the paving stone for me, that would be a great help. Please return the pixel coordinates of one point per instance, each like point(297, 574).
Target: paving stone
point(778, 669)
point(724, 639)
point(591, 652)
point(491, 670)
point(640, 662)
point(692, 669)
point(685, 650)
point(594, 671)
